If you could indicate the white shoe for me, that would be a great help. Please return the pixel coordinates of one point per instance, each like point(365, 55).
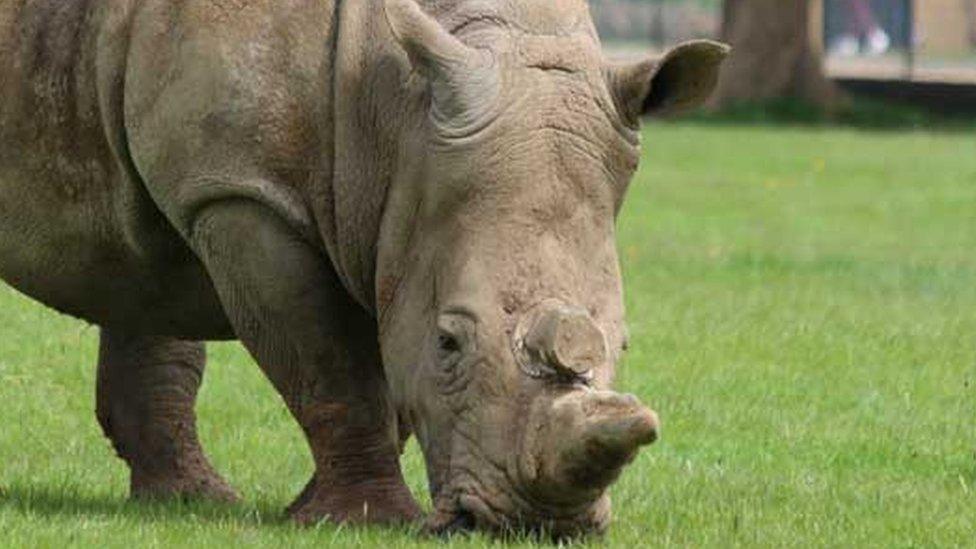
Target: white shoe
point(845, 46)
point(878, 42)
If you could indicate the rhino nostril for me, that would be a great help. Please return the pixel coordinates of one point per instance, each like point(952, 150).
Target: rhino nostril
point(464, 521)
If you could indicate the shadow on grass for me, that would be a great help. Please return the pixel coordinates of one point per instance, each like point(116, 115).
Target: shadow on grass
point(68, 501)
point(857, 113)
point(48, 502)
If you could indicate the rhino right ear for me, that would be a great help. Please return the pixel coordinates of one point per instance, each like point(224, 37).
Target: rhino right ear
point(462, 79)
point(681, 80)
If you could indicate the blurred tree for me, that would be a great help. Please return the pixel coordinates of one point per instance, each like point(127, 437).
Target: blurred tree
point(773, 55)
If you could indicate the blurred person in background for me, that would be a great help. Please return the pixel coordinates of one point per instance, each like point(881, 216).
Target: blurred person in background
point(864, 33)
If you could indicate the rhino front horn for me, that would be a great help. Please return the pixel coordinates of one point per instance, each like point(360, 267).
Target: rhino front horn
point(611, 429)
point(589, 437)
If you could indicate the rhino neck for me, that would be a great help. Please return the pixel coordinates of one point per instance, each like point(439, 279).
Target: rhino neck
point(366, 123)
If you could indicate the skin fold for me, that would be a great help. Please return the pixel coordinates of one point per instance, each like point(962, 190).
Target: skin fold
point(405, 211)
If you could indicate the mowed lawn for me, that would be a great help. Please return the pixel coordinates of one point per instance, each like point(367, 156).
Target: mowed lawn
point(802, 306)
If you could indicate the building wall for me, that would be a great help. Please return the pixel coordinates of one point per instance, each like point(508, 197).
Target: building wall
point(944, 26)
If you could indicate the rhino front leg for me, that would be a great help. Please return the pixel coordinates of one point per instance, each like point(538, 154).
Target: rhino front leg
point(146, 390)
point(320, 350)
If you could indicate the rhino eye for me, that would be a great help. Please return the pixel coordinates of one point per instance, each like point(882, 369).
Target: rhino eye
point(454, 336)
point(448, 349)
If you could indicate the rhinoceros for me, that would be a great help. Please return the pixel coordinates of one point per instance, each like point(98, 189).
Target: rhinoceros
point(404, 209)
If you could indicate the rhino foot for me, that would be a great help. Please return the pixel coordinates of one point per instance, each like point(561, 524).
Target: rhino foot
point(370, 502)
point(147, 388)
point(197, 484)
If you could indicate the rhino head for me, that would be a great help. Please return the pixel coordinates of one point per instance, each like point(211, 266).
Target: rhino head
point(499, 290)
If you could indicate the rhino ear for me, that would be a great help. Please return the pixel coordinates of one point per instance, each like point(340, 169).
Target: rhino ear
point(462, 79)
point(431, 48)
point(679, 81)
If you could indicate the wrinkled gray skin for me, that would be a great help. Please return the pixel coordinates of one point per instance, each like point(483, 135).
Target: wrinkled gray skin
point(405, 212)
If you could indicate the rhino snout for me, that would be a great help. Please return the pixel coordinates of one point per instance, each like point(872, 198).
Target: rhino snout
point(546, 451)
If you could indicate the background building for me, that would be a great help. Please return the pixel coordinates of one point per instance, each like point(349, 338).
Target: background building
point(928, 40)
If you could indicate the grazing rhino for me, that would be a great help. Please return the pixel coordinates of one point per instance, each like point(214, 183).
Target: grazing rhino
point(405, 211)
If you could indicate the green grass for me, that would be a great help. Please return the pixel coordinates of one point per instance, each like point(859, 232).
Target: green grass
point(803, 316)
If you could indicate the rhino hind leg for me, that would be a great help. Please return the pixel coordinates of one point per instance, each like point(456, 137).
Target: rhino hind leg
point(320, 350)
point(146, 390)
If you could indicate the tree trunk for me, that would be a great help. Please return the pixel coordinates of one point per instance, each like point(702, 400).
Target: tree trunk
point(970, 7)
point(773, 55)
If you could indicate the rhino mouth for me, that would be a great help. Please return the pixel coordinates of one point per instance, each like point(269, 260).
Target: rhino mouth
point(464, 515)
point(459, 522)
point(471, 512)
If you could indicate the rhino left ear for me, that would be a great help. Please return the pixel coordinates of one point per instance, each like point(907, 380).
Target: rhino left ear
point(683, 79)
point(463, 80)
point(430, 47)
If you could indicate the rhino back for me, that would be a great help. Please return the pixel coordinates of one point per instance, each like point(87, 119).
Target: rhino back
point(227, 99)
point(115, 118)
point(78, 229)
